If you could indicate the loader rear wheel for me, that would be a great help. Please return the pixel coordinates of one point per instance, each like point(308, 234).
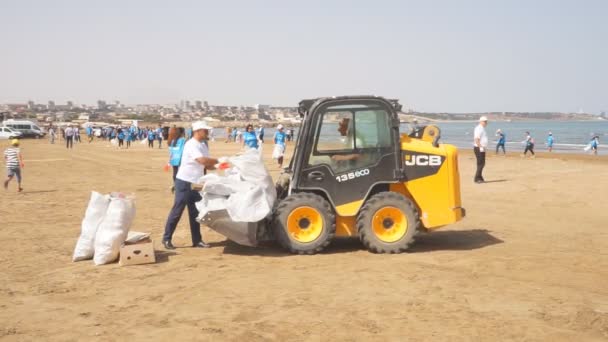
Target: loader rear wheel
point(304, 223)
point(387, 223)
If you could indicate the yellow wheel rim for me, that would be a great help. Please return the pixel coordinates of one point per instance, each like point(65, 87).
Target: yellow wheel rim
point(305, 224)
point(389, 224)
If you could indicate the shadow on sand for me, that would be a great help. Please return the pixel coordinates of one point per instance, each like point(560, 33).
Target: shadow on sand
point(163, 256)
point(452, 240)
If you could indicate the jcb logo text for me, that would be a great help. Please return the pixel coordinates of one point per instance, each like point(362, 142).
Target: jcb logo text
point(422, 160)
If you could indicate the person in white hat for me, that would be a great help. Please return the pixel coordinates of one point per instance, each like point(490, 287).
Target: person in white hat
point(480, 144)
point(501, 141)
point(279, 145)
point(195, 159)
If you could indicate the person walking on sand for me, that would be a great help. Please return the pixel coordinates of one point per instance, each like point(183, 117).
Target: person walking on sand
point(550, 142)
point(228, 134)
point(261, 134)
point(250, 140)
point(89, 132)
point(279, 148)
point(159, 135)
point(594, 143)
point(176, 149)
point(14, 164)
point(77, 134)
point(233, 134)
point(121, 137)
point(195, 159)
point(52, 134)
point(529, 142)
point(480, 143)
point(150, 138)
point(502, 139)
point(69, 137)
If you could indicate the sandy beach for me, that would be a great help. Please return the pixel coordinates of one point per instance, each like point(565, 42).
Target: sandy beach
point(529, 262)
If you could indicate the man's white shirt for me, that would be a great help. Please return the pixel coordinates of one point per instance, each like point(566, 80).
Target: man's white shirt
point(190, 170)
point(480, 133)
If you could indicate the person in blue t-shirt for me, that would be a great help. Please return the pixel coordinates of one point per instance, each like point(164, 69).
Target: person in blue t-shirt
point(89, 131)
point(233, 133)
point(159, 136)
point(176, 149)
point(594, 143)
point(249, 138)
point(550, 142)
point(502, 138)
point(121, 137)
point(130, 137)
point(279, 148)
point(151, 138)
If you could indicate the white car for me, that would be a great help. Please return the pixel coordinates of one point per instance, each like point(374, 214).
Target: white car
point(9, 133)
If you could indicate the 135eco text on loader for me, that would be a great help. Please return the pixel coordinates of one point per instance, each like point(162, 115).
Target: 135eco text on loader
point(353, 174)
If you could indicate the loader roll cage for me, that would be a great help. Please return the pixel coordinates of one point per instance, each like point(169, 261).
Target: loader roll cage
point(312, 111)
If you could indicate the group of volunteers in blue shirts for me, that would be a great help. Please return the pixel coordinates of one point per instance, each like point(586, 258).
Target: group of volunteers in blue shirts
point(528, 142)
point(253, 139)
point(550, 141)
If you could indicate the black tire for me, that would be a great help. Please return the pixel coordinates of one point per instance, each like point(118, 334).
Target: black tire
point(299, 201)
point(365, 225)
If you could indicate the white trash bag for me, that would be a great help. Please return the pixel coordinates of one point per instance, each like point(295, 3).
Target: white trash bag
point(85, 247)
point(246, 191)
point(114, 228)
point(278, 151)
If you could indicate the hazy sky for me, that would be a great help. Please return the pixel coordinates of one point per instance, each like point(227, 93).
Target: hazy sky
point(456, 56)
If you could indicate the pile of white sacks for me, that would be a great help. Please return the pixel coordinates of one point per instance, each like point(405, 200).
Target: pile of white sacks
point(105, 227)
point(245, 191)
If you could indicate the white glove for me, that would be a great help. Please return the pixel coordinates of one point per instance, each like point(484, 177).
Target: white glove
point(222, 160)
point(482, 149)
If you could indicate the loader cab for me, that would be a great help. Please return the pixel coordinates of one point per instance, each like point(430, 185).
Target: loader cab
point(348, 146)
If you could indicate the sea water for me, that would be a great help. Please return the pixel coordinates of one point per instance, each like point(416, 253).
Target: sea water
point(569, 136)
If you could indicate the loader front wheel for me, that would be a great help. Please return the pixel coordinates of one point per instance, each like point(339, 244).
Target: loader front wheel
point(304, 223)
point(387, 223)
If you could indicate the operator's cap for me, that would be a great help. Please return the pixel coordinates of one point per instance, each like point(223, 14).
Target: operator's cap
point(483, 118)
point(200, 125)
point(280, 126)
point(499, 130)
point(15, 142)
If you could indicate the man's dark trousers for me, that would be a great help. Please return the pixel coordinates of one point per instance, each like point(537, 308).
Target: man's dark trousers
point(184, 197)
point(481, 162)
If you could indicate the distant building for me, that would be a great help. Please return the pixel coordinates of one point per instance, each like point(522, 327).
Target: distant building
point(70, 105)
point(262, 108)
point(102, 105)
point(31, 105)
point(198, 105)
point(51, 105)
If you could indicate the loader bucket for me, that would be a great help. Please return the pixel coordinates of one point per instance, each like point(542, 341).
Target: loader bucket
point(243, 233)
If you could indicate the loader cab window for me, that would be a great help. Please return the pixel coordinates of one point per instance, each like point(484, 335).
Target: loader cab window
point(348, 137)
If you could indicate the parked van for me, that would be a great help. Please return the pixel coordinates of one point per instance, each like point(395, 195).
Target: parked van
point(9, 133)
point(28, 129)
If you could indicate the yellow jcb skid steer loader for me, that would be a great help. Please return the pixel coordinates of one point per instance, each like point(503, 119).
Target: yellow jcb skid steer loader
point(353, 174)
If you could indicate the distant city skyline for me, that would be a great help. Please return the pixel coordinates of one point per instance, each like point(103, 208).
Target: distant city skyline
point(435, 56)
